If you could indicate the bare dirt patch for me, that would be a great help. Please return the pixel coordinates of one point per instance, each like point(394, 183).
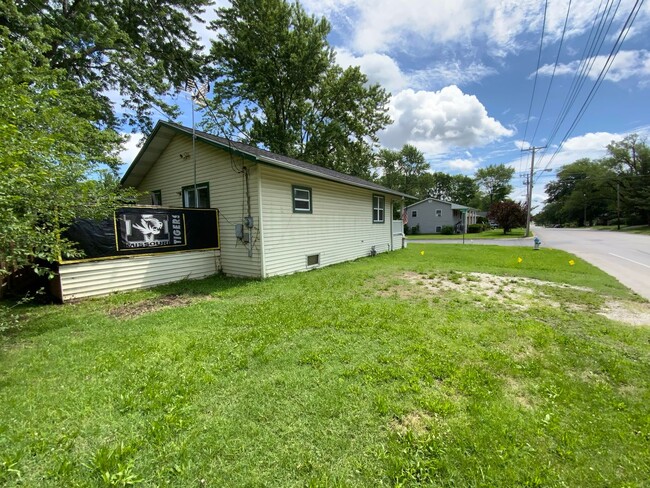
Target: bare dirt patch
point(516, 292)
point(133, 310)
point(416, 422)
point(629, 312)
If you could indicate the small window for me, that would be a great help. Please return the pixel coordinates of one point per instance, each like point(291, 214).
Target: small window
point(196, 196)
point(156, 197)
point(301, 199)
point(438, 213)
point(414, 213)
point(313, 260)
point(438, 228)
point(378, 209)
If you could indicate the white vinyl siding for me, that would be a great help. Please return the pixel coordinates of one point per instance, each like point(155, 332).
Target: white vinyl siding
point(215, 167)
point(95, 278)
point(340, 227)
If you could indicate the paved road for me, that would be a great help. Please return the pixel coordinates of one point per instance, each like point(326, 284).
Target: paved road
point(624, 256)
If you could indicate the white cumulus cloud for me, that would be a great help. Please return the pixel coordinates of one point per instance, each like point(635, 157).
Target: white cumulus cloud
point(382, 25)
point(627, 64)
point(437, 121)
point(383, 69)
point(463, 165)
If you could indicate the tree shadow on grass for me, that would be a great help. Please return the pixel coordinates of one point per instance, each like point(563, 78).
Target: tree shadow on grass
point(22, 321)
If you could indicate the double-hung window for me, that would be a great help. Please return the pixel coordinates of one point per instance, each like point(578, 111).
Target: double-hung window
point(301, 199)
point(156, 197)
point(196, 196)
point(378, 204)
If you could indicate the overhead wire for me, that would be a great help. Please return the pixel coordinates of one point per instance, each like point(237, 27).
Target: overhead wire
point(594, 43)
point(532, 97)
point(601, 76)
point(550, 83)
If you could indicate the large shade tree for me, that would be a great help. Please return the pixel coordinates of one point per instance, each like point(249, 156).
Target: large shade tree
point(629, 159)
point(451, 188)
point(404, 170)
point(135, 50)
point(276, 83)
point(56, 165)
point(582, 192)
point(494, 182)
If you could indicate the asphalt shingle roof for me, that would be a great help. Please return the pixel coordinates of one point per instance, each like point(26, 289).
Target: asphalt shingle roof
point(265, 156)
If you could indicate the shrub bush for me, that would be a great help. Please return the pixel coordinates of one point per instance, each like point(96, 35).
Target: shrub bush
point(447, 230)
point(474, 228)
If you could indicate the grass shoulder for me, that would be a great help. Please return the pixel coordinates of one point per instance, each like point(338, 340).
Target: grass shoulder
point(488, 234)
point(635, 229)
point(386, 373)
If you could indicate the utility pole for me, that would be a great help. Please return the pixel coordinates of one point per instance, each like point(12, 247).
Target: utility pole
point(618, 205)
point(529, 197)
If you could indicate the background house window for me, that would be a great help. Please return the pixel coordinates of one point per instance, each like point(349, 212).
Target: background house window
point(156, 197)
point(378, 204)
point(196, 197)
point(414, 213)
point(438, 213)
point(301, 199)
point(438, 228)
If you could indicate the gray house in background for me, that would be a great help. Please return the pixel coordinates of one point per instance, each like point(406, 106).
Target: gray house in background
point(432, 215)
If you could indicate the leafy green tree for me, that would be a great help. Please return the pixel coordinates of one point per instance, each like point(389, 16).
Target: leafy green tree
point(138, 48)
point(582, 193)
point(452, 188)
point(55, 164)
point(629, 159)
point(276, 83)
point(404, 170)
point(494, 182)
point(508, 214)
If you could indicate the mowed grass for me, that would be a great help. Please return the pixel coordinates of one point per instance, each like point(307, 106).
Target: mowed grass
point(349, 375)
point(488, 234)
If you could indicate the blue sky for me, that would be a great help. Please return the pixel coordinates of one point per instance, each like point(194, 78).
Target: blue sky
point(461, 75)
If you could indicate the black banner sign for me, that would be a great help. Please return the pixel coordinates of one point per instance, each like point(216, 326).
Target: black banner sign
point(155, 230)
point(146, 230)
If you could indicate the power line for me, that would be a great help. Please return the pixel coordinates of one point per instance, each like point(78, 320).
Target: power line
point(593, 45)
point(532, 96)
point(550, 83)
point(608, 63)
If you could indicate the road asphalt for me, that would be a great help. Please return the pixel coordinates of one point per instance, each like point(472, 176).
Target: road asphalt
point(624, 256)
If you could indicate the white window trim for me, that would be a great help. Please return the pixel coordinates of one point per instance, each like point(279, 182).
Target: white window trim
point(380, 208)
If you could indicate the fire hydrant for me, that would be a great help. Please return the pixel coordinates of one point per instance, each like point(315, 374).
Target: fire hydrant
point(536, 243)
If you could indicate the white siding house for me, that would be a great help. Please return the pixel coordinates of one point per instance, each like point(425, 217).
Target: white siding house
point(431, 215)
point(277, 215)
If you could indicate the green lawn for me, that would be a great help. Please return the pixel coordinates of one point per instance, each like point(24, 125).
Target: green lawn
point(636, 229)
point(388, 371)
point(488, 234)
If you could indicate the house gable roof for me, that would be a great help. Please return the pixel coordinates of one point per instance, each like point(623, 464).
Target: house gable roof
point(164, 132)
point(454, 206)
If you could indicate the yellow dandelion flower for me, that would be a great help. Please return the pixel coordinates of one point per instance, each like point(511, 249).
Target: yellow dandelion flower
point(519, 260)
point(571, 262)
point(421, 253)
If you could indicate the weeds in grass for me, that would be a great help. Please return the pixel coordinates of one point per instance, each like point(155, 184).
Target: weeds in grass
point(381, 375)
